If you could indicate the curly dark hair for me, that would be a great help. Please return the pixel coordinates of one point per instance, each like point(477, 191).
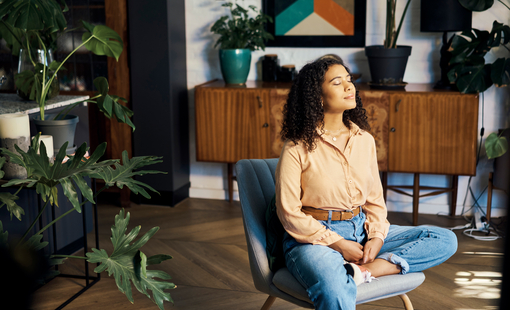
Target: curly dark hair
point(303, 113)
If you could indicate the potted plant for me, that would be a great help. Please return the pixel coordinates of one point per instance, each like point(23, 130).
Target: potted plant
point(127, 263)
point(239, 35)
point(470, 72)
point(100, 39)
point(388, 62)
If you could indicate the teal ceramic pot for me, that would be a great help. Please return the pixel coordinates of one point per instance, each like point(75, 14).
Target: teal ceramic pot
point(235, 65)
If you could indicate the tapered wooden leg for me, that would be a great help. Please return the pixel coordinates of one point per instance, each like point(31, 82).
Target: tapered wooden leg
point(407, 302)
point(269, 302)
point(489, 198)
point(455, 185)
point(416, 198)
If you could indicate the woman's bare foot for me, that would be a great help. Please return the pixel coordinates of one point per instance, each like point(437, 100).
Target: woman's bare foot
point(381, 267)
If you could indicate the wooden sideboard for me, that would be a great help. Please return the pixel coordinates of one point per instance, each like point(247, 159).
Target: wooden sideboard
point(417, 130)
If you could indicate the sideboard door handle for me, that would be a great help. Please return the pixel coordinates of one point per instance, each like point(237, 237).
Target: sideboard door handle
point(392, 129)
point(260, 101)
point(398, 105)
point(265, 125)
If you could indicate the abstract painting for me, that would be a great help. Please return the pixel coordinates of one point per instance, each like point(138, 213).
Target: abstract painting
point(317, 23)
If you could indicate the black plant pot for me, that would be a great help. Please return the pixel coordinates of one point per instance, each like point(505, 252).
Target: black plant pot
point(387, 65)
point(62, 130)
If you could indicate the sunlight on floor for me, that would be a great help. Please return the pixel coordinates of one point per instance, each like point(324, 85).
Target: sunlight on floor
point(478, 284)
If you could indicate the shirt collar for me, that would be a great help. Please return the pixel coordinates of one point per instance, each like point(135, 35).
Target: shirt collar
point(355, 130)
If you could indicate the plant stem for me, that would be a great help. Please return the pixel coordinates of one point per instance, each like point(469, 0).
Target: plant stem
point(69, 108)
point(35, 221)
point(62, 63)
point(29, 54)
point(46, 86)
point(504, 4)
point(400, 24)
point(63, 215)
point(69, 256)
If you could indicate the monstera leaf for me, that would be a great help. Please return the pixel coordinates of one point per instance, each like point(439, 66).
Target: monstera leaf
point(103, 40)
point(109, 104)
point(123, 174)
point(121, 263)
point(34, 14)
point(495, 145)
point(476, 5)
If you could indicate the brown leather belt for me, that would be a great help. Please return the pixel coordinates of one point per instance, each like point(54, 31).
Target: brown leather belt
point(322, 215)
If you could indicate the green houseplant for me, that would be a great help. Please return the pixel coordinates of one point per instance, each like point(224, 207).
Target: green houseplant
point(127, 263)
point(470, 72)
point(240, 34)
point(37, 23)
point(24, 24)
point(387, 62)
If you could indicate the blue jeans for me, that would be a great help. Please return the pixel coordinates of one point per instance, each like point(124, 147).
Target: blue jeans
point(321, 271)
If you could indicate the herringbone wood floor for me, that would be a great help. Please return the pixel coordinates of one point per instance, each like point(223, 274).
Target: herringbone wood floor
point(211, 270)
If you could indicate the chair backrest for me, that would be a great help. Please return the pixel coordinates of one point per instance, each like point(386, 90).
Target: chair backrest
point(256, 183)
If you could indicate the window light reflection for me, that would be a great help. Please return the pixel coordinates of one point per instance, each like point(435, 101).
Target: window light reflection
point(478, 284)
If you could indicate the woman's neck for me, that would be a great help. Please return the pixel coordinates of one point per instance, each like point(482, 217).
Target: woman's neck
point(334, 121)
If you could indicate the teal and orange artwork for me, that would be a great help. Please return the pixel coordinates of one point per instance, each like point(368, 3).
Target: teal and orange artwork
point(314, 17)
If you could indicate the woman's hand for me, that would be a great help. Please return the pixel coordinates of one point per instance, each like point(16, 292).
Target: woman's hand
point(371, 249)
point(350, 250)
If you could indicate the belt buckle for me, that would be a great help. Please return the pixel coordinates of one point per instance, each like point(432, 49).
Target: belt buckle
point(351, 212)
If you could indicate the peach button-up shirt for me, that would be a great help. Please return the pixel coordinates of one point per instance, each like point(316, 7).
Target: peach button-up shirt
point(330, 179)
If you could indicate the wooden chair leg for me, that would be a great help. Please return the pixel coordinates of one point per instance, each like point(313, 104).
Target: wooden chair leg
point(407, 302)
point(269, 302)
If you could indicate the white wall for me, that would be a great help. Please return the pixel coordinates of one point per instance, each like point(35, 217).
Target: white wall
point(208, 180)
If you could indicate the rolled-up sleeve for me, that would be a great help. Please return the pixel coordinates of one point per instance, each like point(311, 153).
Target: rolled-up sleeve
point(376, 223)
point(304, 228)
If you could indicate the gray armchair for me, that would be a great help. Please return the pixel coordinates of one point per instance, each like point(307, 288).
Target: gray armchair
point(256, 183)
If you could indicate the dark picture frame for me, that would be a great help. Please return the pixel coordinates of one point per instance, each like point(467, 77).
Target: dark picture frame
point(355, 40)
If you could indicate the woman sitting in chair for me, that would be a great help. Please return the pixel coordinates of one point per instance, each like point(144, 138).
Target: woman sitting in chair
point(329, 195)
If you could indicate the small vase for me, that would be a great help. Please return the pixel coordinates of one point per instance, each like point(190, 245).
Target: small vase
point(26, 62)
point(235, 65)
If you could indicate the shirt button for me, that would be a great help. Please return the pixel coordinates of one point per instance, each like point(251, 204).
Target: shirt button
point(350, 181)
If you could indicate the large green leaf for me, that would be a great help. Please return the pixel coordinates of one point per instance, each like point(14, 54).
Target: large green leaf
point(103, 40)
point(33, 14)
point(500, 72)
point(495, 145)
point(110, 105)
point(477, 5)
point(72, 172)
point(10, 200)
point(471, 78)
point(500, 34)
point(123, 173)
point(469, 42)
point(12, 36)
point(121, 263)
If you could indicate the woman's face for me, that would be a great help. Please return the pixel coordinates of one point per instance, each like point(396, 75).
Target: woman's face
point(338, 92)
